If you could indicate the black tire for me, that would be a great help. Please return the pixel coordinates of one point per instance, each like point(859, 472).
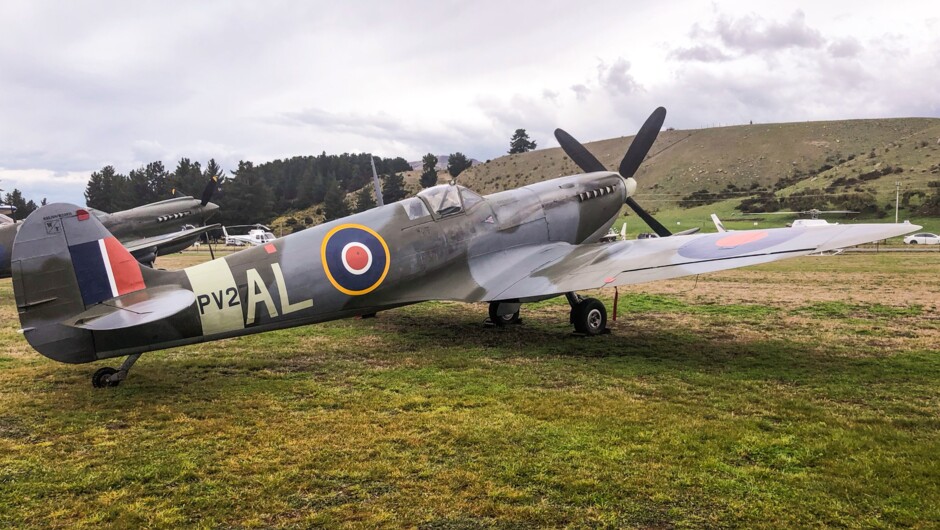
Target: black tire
point(913, 241)
point(504, 320)
point(590, 317)
point(99, 378)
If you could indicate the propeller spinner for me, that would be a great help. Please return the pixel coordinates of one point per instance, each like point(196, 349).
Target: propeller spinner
point(634, 156)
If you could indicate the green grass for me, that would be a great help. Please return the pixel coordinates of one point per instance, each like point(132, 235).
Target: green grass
point(703, 409)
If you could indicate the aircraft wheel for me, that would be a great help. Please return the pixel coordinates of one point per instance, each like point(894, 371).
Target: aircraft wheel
point(100, 377)
point(503, 320)
point(589, 317)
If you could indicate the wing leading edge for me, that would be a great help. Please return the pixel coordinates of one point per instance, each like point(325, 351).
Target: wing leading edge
point(560, 268)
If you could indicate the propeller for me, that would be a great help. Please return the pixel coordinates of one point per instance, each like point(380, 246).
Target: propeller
point(634, 156)
point(209, 190)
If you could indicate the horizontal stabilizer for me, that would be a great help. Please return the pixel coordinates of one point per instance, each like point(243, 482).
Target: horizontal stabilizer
point(134, 309)
point(688, 232)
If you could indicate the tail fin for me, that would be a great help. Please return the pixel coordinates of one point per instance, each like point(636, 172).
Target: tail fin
point(63, 262)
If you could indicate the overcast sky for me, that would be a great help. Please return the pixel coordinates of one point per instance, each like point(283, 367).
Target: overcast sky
point(84, 84)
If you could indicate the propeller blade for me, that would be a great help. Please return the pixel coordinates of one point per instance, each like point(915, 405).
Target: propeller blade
point(638, 150)
point(209, 190)
point(642, 143)
point(657, 227)
point(578, 153)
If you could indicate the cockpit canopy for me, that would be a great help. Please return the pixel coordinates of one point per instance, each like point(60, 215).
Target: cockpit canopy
point(449, 199)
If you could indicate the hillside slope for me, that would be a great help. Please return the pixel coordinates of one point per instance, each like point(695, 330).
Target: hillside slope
point(685, 161)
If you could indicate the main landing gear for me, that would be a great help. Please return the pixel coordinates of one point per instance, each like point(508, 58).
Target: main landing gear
point(107, 376)
point(588, 315)
point(504, 313)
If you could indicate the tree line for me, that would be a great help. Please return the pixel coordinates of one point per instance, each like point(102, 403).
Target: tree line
point(249, 192)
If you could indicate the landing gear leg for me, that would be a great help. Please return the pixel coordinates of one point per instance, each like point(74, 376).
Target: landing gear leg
point(108, 377)
point(573, 300)
point(588, 315)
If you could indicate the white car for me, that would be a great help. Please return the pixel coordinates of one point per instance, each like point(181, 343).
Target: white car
point(923, 238)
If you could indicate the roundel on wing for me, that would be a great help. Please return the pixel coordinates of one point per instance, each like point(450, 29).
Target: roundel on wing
point(733, 244)
point(355, 258)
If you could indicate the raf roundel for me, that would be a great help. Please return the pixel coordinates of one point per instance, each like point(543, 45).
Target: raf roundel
point(355, 258)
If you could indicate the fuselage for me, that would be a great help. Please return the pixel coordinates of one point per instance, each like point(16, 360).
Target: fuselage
point(157, 218)
point(7, 235)
point(393, 255)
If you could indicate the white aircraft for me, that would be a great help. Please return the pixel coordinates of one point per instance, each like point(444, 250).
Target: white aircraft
point(258, 235)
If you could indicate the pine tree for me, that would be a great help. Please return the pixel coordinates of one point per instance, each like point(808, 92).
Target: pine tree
point(520, 143)
point(139, 191)
point(187, 178)
point(105, 190)
point(429, 174)
point(457, 163)
point(393, 189)
point(364, 199)
point(247, 198)
point(94, 191)
point(16, 200)
point(307, 184)
point(213, 169)
point(158, 180)
point(334, 203)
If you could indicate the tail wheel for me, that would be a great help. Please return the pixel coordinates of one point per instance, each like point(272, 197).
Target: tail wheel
point(589, 317)
point(502, 320)
point(100, 377)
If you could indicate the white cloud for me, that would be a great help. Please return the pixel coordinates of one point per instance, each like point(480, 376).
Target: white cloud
point(752, 33)
point(109, 82)
point(37, 184)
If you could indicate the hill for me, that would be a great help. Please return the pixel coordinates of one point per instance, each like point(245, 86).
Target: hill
point(684, 161)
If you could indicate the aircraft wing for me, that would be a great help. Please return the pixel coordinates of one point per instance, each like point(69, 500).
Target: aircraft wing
point(534, 271)
point(167, 240)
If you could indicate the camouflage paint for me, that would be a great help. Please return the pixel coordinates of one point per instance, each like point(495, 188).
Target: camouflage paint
point(525, 244)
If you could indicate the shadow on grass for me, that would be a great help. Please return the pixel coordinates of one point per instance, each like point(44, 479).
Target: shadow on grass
point(451, 337)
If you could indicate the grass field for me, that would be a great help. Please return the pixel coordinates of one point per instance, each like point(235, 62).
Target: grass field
point(799, 394)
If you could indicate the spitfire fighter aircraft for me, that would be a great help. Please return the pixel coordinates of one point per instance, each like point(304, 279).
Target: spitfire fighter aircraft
point(147, 231)
point(82, 297)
